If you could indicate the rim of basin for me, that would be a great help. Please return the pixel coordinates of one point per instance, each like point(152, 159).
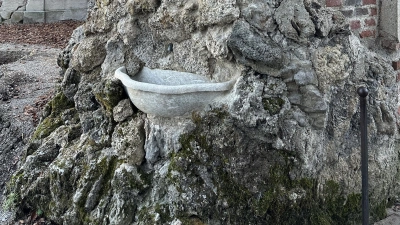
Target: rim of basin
point(120, 73)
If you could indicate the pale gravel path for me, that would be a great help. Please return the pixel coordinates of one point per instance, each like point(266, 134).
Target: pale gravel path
point(35, 74)
point(392, 219)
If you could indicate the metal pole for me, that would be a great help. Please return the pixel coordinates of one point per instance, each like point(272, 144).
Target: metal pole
point(363, 93)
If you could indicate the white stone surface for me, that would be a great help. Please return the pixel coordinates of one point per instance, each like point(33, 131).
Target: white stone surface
point(17, 17)
point(169, 93)
point(71, 14)
point(11, 5)
point(393, 218)
point(76, 4)
point(54, 5)
point(35, 5)
point(34, 17)
point(39, 11)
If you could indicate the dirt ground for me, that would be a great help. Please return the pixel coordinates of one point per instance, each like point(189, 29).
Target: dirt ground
point(54, 35)
point(29, 75)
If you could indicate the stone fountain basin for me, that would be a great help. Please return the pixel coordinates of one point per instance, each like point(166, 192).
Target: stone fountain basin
point(170, 93)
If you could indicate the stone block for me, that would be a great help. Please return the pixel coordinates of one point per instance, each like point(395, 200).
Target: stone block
point(35, 5)
point(352, 2)
point(77, 14)
point(54, 5)
point(347, 13)
point(5, 15)
point(59, 15)
point(389, 22)
point(76, 4)
point(17, 17)
point(34, 17)
point(12, 5)
point(54, 16)
point(362, 11)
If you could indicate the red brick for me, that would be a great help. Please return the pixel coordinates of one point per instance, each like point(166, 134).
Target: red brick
point(367, 33)
point(396, 65)
point(355, 24)
point(369, 2)
point(373, 12)
point(333, 3)
point(370, 22)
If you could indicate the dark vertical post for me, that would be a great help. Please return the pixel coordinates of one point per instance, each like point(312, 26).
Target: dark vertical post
point(363, 92)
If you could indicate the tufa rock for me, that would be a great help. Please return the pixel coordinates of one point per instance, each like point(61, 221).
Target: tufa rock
point(282, 148)
point(250, 48)
point(122, 110)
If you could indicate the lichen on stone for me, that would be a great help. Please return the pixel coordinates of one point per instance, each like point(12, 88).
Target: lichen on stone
point(331, 64)
point(273, 105)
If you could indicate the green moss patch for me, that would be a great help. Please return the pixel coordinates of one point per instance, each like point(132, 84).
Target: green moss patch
point(108, 94)
point(273, 105)
point(280, 200)
point(46, 127)
point(56, 106)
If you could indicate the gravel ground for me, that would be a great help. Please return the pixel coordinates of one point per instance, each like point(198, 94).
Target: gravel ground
point(54, 35)
point(25, 86)
point(29, 75)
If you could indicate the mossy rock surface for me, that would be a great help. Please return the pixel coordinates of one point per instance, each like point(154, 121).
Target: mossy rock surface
point(273, 105)
point(278, 199)
point(108, 94)
point(55, 107)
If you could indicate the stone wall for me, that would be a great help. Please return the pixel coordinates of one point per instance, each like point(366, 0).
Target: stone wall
point(372, 20)
point(39, 11)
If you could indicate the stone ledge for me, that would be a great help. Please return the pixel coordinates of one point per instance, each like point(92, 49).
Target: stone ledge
point(54, 16)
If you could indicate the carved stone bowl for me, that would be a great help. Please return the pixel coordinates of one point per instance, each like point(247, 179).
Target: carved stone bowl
point(168, 93)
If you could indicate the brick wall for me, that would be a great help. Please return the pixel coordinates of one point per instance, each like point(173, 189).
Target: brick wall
point(361, 14)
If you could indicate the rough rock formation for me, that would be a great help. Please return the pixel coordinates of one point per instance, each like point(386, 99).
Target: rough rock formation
point(283, 150)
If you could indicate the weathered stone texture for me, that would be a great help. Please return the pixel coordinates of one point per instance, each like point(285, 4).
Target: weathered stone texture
point(283, 147)
point(294, 21)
